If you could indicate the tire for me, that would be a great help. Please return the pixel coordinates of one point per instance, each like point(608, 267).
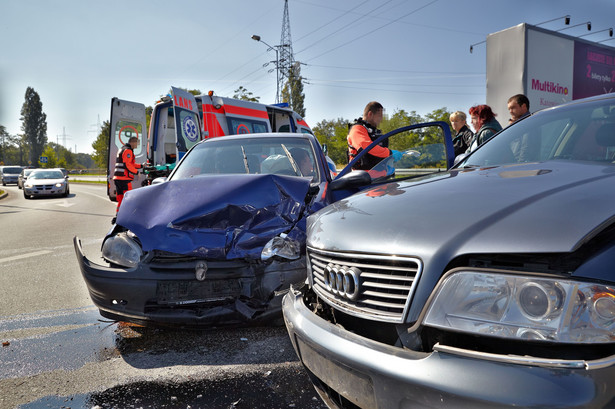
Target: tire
point(25, 195)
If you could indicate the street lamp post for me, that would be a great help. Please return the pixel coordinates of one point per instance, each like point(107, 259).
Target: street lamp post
point(277, 65)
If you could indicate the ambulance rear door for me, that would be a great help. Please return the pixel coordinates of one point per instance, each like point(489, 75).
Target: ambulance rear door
point(127, 120)
point(187, 125)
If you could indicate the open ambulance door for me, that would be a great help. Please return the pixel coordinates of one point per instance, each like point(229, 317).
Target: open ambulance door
point(127, 120)
point(187, 125)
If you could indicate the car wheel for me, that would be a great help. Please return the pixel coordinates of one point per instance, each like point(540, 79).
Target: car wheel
point(26, 195)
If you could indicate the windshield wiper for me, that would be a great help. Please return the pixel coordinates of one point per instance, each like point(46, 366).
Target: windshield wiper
point(245, 159)
point(292, 161)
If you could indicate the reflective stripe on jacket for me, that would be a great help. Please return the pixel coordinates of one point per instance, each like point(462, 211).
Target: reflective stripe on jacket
point(125, 166)
point(361, 135)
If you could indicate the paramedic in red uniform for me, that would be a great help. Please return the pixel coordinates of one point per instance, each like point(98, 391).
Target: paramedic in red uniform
point(363, 132)
point(125, 169)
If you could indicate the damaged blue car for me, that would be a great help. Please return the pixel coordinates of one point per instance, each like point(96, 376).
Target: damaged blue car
point(221, 240)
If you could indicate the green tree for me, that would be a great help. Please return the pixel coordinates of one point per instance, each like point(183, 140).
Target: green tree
point(333, 134)
point(34, 123)
point(101, 146)
point(245, 95)
point(52, 158)
point(293, 90)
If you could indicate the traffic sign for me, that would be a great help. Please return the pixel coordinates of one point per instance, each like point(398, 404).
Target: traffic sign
point(43, 159)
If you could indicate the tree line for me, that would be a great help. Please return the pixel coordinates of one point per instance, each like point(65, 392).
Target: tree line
point(26, 148)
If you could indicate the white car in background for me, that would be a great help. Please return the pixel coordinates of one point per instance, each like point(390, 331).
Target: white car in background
point(46, 182)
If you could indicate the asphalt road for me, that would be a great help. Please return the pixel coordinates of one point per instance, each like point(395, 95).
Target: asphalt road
point(58, 352)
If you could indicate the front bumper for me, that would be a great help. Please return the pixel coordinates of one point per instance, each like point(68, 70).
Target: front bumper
point(45, 190)
point(348, 370)
point(168, 294)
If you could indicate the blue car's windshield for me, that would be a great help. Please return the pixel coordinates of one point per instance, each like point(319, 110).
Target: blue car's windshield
point(578, 132)
point(282, 156)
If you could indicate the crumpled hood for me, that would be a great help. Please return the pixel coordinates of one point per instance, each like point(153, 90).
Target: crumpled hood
point(230, 216)
point(531, 208)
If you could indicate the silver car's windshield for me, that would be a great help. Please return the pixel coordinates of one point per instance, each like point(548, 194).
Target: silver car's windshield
point(47, 174)
point(579, 133)
point(282, 156)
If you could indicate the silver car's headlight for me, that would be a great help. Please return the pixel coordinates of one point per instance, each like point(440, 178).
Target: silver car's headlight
point(524, 307)
point(281, 246)
point(59, 184)
point(122, 249)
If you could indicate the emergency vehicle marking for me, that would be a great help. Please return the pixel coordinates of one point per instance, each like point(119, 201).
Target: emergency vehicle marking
point(189, 128)
point(230, 109)
point(183, 102)
point(242, 129)
point(119, 134)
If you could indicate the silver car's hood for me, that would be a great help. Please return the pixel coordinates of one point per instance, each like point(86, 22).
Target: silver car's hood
point(531, 208)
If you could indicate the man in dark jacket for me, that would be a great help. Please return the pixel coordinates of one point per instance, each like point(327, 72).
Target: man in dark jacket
point(518, 107)
point(463, 134)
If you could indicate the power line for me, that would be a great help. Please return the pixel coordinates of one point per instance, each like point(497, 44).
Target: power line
point(390, 70)
point(374, 30)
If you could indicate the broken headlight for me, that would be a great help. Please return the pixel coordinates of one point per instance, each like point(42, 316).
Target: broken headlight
point(524, 307)
point(122, 249)
point(282, 246)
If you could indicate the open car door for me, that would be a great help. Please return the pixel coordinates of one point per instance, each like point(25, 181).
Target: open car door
point(127, 120)
point(187, 124)
point(426, 148)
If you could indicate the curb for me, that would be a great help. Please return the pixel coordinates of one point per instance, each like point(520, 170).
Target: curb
point(4, 194)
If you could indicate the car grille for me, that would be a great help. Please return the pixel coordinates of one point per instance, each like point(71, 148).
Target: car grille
point(377, 287)
point(43, 187)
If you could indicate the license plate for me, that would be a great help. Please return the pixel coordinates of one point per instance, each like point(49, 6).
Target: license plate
point(351, 384)
point(190, 292)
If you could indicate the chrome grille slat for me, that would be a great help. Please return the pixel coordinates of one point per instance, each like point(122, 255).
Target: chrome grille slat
point(386, 286)
point(385, 282)
point(385, 295)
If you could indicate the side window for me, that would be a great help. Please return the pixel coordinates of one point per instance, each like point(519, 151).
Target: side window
point(422, 151)
point(124, 130)
point(238, 126)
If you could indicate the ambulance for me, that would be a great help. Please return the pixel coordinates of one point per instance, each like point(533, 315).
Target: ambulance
point(180, 120)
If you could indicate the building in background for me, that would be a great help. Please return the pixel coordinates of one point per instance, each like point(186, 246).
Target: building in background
point(548, 67)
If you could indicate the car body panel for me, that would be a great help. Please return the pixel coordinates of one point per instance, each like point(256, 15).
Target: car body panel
point(533, 206)
point(226, 220)
point(375, 375)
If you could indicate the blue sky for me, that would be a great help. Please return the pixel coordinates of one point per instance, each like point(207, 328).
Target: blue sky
point(407, 54)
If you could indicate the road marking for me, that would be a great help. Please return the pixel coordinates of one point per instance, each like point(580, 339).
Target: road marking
point(65, 203)
point(28, 255)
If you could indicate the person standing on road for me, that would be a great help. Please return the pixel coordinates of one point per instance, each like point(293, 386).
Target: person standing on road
point(518, 107)
point(463, 135)
point(362, 132)
point(484, 123)
point(125, 169)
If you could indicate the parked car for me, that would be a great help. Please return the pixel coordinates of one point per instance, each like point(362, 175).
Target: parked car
point(221, 240)
point(9, 174)
point(485, 286)
point(23, 175)
point(46, 182)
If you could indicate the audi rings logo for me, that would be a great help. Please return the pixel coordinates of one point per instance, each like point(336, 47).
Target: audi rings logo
point(343, 281)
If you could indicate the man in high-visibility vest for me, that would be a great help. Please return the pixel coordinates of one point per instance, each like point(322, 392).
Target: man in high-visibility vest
point(125, 169)
point(363, 132)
